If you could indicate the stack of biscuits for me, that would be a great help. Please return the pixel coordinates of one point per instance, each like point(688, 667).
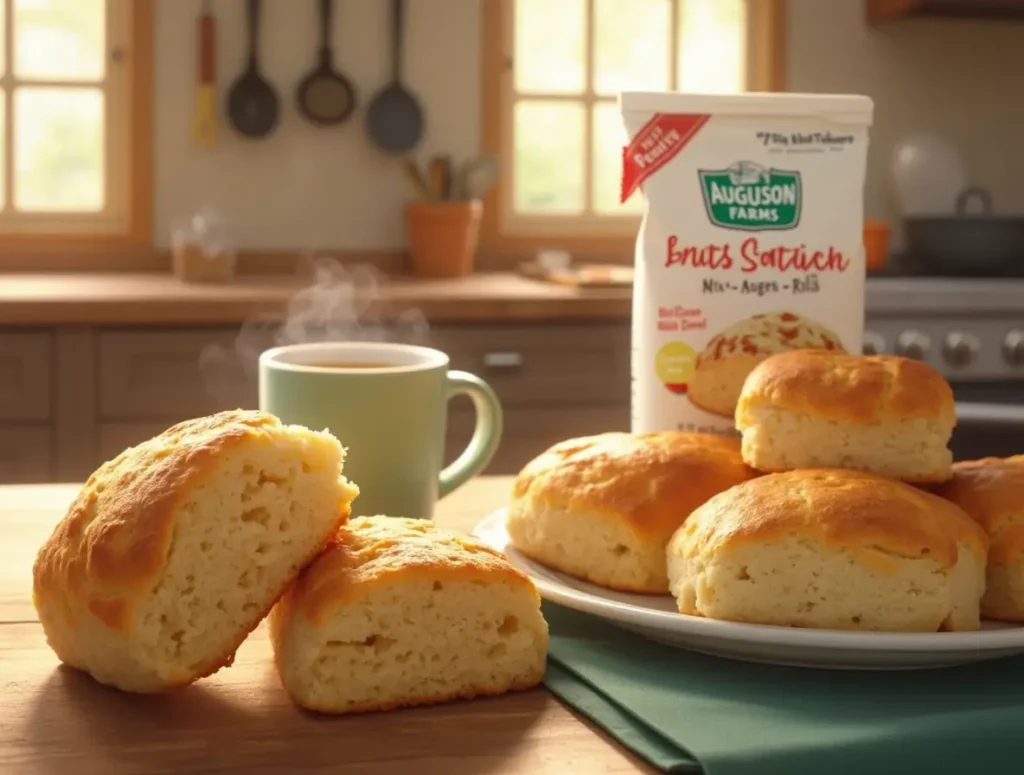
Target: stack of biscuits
point(175, 550)
point(838, 507)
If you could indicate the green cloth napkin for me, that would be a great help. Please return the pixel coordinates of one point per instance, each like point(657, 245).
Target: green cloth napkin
point(690, 713)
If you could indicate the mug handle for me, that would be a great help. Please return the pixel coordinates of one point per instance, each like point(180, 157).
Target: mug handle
point(486, 434)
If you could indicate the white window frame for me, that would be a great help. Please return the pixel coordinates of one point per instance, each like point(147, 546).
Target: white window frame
point(589, 224)
point(115, 217)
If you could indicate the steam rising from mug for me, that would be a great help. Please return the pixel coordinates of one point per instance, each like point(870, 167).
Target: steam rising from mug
point(342, 304)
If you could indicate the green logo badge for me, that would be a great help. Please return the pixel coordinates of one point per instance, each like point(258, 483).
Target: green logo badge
point(749, 197)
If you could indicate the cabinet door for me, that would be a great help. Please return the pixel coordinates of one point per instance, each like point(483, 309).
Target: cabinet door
point(25, 455)
point(544, 365)
point(25, 360)
point(177, 374)
point(115, 438)
point(528, 432)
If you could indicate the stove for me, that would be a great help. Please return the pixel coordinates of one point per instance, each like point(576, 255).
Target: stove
point(972, 331)
point(911, 265)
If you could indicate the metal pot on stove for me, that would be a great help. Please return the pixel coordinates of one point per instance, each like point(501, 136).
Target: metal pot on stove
point(979, 243)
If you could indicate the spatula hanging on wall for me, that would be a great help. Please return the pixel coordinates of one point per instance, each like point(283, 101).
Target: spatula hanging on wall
point(204, 122)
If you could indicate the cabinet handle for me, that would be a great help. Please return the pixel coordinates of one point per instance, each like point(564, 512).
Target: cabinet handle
point(503, 361)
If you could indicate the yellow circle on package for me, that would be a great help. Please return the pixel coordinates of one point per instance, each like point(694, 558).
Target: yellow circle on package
point(674, 365)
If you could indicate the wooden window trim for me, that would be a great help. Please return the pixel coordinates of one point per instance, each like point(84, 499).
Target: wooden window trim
point(766, 65)
point(109, 251)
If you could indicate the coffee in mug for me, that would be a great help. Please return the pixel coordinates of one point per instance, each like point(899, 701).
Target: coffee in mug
point(352, 365)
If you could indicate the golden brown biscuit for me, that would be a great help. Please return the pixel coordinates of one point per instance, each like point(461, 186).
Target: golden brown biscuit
point(722, 367)
point(397, 612)
point(991, 490)
point(815, 409)
point(602, 508)
point(832, 549)
point(177, 548)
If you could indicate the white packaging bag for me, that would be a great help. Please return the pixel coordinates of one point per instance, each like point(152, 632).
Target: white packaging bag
point(751, 242)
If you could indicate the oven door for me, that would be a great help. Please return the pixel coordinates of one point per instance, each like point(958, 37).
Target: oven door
point(989, 420)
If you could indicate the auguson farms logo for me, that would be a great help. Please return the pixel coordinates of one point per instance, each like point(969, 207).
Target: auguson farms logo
point(749, 197)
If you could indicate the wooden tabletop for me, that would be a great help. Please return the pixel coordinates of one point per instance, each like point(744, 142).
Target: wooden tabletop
point(159, 298)
point(56, 721)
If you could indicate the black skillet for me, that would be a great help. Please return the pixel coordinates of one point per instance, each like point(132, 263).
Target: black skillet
point(981, 244)
point(325, 96)
point(394, 119)
point(253, 106)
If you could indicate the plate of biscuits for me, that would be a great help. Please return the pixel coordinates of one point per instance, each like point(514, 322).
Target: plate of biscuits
point(834, 532)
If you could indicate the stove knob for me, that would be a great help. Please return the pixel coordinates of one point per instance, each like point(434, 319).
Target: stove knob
point(961, 349)
point(1013, 348)
point(874, 344)
point(913, 344)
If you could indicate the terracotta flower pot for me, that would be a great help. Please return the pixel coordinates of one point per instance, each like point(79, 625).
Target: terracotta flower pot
point(443, 237)
point(876, 244)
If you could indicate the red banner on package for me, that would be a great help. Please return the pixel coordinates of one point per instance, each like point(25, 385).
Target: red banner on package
point(655, 145)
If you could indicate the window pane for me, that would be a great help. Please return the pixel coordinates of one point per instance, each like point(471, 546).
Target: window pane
point(631, 42)
point(549, 49)
point(712, 39)
point(549, 157)
point(3, 129)
point(609, 137)
point(59, 39)
point(3, 37)
point(58, 149)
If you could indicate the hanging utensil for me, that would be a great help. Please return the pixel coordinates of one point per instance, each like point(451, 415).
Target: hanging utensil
point(253, 105)
point(476, 177)
point(440, 173)
point(325, 96)
point(418, 181)
point(394, 119)
point(204, 122)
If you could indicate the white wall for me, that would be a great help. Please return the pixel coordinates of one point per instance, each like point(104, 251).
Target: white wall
point(307, 187)
point(304, 186)
point(961, 79)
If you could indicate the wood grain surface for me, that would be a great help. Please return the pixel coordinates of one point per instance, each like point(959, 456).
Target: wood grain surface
point(57, 721)
point(155, 298)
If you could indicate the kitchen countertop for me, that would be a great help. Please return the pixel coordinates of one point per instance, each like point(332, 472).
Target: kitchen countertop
point(154, 298)
point(55, 720)
point(132, 299)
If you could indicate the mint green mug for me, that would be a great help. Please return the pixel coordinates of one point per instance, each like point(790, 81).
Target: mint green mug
point(388, 405)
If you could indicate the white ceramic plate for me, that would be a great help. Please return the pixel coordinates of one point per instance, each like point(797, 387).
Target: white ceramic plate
point(655, 617)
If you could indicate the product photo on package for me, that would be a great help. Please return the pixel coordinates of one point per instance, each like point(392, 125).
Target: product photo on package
point(751, 242)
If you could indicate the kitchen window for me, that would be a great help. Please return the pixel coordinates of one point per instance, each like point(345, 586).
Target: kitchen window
point(552, 72)
point(75, 122)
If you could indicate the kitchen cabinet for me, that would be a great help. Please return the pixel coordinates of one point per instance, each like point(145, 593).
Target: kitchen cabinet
point(529, 365)
point(528, 432)
point(881, 11)
point(71, 398)
point(25, 363)
point(173, 374)
point(26, 397)
point(25, 454)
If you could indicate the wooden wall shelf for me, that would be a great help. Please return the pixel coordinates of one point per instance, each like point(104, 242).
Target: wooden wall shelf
point(882, 11)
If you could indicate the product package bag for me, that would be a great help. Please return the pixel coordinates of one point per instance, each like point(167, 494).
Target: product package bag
point(751, 242)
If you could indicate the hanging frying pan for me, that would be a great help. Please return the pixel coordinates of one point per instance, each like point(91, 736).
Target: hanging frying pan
point(394, 119)
point(253, 106)
point(325, 96)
